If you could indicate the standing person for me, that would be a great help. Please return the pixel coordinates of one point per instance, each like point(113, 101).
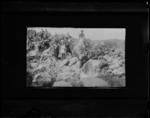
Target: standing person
point(82, 35)
point(55, 50)
point(62, 50)
point(68, 48)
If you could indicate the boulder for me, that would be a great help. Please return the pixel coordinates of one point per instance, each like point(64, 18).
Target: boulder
point(32, 53)
point(34, 64)
point(61, 84)
point(89, 74)
point(90, 68)
point(41, 79)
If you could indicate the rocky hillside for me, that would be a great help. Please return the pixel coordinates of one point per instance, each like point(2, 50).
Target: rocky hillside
point(93, 64)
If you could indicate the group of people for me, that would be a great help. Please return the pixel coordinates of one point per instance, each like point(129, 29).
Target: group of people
point(62, 50)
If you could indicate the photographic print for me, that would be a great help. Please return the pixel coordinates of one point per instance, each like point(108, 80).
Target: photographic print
point(75, 57)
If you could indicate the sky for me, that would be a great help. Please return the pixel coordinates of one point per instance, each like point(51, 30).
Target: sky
point(92, 33)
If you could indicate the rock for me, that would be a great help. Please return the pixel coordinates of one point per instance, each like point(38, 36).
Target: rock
point(108, 58)
point(62, 84)
point(73, 60)
point(32, 53)
point(89, 73)
point(116, 67)
point(63, 76)
point(62, 63)
point(74, 79)
point(94, 82)
point(75, 67)
point(34, 65)
point(118, 71)
point(91, 67)
point(66, 72)
point(41, 79)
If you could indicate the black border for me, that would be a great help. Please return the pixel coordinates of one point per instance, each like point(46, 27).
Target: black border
point(16, 17)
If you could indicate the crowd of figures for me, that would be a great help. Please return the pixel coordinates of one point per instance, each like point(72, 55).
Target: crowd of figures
point(62, 60)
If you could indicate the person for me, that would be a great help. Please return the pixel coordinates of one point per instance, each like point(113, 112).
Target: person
point(62, 50)
point(81, 35)
point(68, 49)
point(56, 51)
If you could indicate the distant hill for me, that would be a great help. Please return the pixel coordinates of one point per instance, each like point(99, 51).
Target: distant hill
point(111, 43)
point(115, 43)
